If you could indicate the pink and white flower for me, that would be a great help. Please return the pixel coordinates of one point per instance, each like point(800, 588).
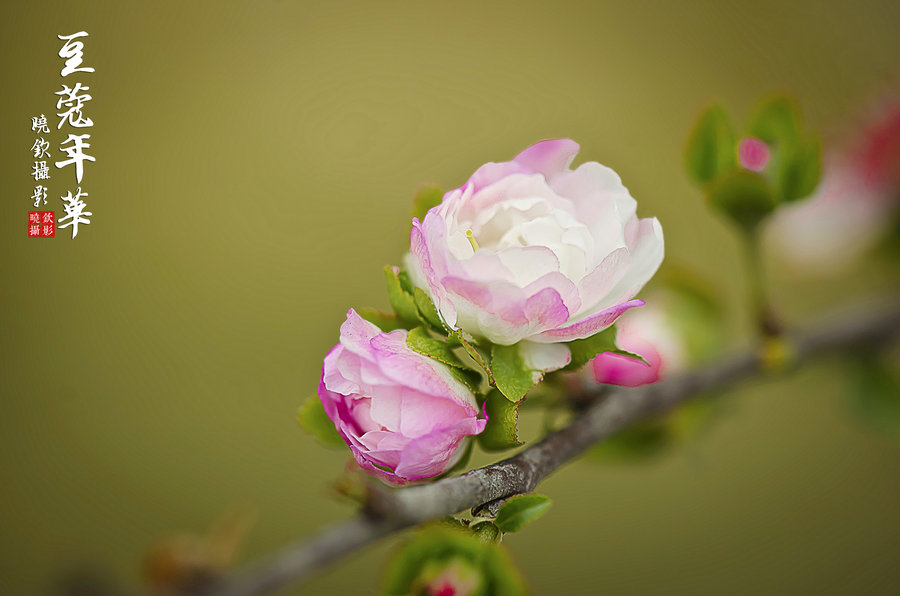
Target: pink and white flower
point(403, 415)
point(531, 251)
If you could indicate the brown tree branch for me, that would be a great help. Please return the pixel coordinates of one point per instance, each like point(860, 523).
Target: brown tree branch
point(391, 510)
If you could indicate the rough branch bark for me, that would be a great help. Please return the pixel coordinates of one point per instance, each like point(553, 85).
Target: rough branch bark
point(393, 510)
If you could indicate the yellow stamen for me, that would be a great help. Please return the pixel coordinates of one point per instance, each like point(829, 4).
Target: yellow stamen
point(471, 238)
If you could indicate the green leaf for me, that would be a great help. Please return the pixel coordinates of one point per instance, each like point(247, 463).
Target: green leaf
point(486, 531)
point(745, 197)
point(799, 171)
point(382, 320)
point(710, 150)
point(584, 350)
point(402, 301)
point(405, 282)
point(383, 467)
point(474, 354)
point(501, 432)
point(420, 341)
point(468, 377)
point(512, 376)
point(521, 510)
point(425, 199)
point(777, 122)
point(427, 309)
point(315, 421)
point(453, 522)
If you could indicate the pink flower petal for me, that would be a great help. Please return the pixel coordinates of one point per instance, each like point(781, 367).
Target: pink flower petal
point(549, 157)
point(492, 172)
point(587, 327)
point(546, 309)
point(618, 369)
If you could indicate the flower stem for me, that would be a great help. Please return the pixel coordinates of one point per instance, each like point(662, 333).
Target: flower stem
point(766, 320)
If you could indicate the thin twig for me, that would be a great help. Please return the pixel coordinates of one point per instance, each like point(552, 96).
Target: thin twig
point(389, 511)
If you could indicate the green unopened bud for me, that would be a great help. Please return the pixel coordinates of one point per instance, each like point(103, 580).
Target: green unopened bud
point(487, 531)
point(745, 197)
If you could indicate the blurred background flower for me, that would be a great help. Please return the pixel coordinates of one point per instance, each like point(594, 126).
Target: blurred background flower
point(443, 561)
point(857, 202)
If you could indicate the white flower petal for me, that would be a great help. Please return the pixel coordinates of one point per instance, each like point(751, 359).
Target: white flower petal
point(544, 357)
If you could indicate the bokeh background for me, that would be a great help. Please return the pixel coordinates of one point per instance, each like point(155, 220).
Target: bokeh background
point(255, 166)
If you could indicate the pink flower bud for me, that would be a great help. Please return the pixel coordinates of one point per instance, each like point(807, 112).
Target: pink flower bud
point(648, 333)
point(402, 414)
point(753, 154)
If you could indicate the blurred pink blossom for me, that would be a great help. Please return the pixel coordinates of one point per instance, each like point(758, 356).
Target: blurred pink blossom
point(855, 204)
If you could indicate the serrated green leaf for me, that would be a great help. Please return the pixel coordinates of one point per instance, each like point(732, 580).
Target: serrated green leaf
point(382, 320)
point(425, 199)
point(420, 341)
point(583, 350)
point(468, 377)
point(511, 375)
point(799, 170)
point(777, 122)
point(428, 311)
point(401, 301)
point(486, 531)
point(745, 197)
point(710, 149)
point(405, 282)
point(501, 431)
point(315, 421)
point(474, 354)
point(520, 510)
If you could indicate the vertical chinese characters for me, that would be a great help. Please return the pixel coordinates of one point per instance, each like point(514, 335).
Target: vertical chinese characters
point(40, 223)
point(70, 111)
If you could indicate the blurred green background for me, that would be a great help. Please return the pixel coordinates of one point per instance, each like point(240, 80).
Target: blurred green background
point(255, 166)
